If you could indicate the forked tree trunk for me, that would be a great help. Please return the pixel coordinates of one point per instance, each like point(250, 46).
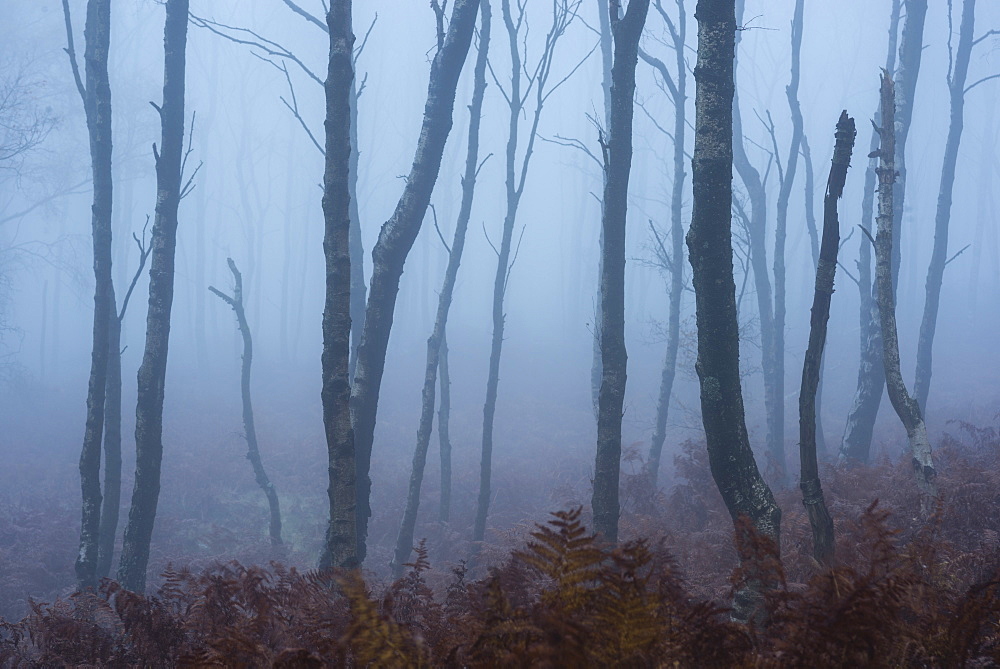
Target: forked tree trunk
point(395, 241)
point(826, 267)
point(906, 408)
point(942, 219)
point(96, 94)
point(249, 427)
point(340, 549)
point(617, 149)
point(710, 251)
point(404, 540)
point(153, 370)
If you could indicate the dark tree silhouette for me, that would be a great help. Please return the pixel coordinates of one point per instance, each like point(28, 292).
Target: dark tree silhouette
point(153, 370)
point(617, 151)
point(710, 251)
point(826, 268)
point(396, 239)
point(249, 427)
point(435, 343)
point(96, 94)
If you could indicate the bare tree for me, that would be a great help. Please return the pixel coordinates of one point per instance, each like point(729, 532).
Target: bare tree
point(525, 79)
point(674, 260)
point(397, 236)
point(958, 70)
point(826, 268)
point(435, 343)
point(235, 301)
point(96, 95)
point(152, 371)
point(906, 408)
point(710, 251)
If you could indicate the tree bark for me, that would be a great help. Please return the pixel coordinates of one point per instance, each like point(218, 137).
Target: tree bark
point(942, 219)
point(710, 252)
point(152, 371)
point(444, 438)
point(96, 94)
point(395, 241)
point(617, 150)
point(404, 540)
point(340, 549)
point(906, 408)
point(249, 427)
point(812, 490)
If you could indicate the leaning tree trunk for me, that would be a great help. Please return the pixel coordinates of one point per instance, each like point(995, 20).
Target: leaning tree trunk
point(340, 549)
point(906, 407)
point(395, 241)
point(153, 370)
point(939, 256)
point(826, 268)
point(96, 94)
point(711, 254)
point(249, 427)
point(617, 150)
point(404, 540)
point(871, 376)
point(810, 191)
point(678, 91)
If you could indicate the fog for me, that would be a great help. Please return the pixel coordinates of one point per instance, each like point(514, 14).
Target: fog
point(256, 199)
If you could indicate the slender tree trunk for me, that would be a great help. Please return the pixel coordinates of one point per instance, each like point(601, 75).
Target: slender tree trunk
point(871, 375)
point(444, 439)
point(814, 247)
point(826, 268)
point(678, 33)
point(906, 408)
point(939, 256)
point(110, 509)
point(358, 287)
point(249, 427)
point(395, 241)
point(96, 94)
point(152, 371)
point(404, 540)
point(340, 548)
point(710, 251)
point(617, 150)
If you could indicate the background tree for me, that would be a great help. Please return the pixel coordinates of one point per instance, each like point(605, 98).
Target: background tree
point(153, 370)
point(826, 268)
point(96, 94)
point(710, 251)
point(435, 343)
point(396, 239)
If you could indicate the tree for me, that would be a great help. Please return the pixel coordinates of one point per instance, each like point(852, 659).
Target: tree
point(826, 268)
point(152, 371)
point(672, 261)
point(96, 95)
point(396, 239)
point(958, 70)
point(524, 80)
point(617, 152)
point(235, 301)
point(341, 546)
point(436, 341)
point(857, 440)
point(710, 252)
point(906, 408)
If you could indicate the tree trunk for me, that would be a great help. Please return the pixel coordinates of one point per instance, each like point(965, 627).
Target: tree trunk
point(826, 268)
point(111, 506)
point(152, 371)
point(250, 429)
point(710, 251)
point(906, 408)
point(395, 241)
point(444, 439)
point(96, 94)
point(814, 247)
point(340, 548)
point(358, 287)
point(617, 150)
point(404, 540)
point(939, 256)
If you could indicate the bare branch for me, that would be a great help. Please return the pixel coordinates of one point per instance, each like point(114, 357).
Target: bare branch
point(144, 252)
point(960, 252)
point(984, 79)
point(71, 52)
